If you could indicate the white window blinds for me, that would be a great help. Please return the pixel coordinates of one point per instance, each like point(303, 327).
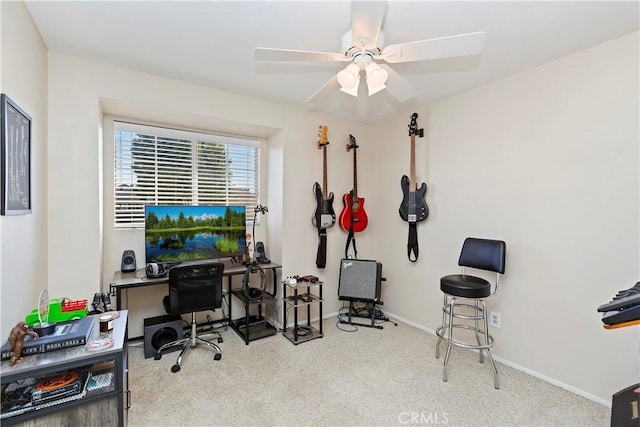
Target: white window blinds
point(160, 166)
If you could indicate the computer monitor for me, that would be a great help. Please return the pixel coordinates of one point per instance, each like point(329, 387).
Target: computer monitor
point(175, 234)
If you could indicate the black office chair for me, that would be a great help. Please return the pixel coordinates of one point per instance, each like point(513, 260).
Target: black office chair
point(191, 289)
point(481, 254)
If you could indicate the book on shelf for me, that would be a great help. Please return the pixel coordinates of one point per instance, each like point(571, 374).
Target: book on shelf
point(45, 393)
point(74, 391)
point(68, 334)
point(19, 399)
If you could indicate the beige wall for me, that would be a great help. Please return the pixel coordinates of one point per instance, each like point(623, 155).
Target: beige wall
point(546, 159)
point(23, 238)
point(81, 92)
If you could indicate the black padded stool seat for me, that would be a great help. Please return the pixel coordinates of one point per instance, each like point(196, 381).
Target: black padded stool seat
point(465, 286)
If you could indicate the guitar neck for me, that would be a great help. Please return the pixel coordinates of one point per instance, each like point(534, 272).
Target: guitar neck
point(324, 172)
point(355, 174)
point(412, 176)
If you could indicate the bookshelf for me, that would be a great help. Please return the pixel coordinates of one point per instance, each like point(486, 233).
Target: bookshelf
point(89, 387)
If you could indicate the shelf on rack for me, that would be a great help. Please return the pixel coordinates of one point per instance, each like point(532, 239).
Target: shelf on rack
point(303, 299)
point(258, 328)
point(290, 334)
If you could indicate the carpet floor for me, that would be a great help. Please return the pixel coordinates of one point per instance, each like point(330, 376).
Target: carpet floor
point(368, 377)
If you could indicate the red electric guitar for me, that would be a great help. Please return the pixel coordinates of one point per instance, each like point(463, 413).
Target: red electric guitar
point(353, 214)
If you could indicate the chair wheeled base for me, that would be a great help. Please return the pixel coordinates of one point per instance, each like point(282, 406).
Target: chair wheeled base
point(189, 342)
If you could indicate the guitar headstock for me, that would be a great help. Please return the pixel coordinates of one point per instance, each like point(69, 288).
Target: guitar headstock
point(322, 136)
point(413, 126)
point(352, 143)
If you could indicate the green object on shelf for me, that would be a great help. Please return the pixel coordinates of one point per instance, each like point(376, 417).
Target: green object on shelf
point(60, 310)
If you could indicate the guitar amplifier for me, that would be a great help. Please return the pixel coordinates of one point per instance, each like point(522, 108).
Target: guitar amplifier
point(359, 280)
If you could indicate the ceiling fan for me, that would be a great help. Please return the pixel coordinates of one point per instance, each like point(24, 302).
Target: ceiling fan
point(363, 47)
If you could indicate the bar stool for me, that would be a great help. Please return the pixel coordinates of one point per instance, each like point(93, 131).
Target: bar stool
point(481, 254)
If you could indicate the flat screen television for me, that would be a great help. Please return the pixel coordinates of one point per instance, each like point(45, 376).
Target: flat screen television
point(175, 234)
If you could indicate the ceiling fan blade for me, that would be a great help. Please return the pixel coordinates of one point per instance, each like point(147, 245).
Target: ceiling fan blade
point(325, 91)
point(442, 47)
point(366, 21)
point(398, 86)
point(269, 54)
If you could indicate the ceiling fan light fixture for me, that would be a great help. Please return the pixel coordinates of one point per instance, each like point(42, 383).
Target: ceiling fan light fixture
point(376, 78)
point(349, 79)
point(376, 75)
point(375, 89)
point(353, 91)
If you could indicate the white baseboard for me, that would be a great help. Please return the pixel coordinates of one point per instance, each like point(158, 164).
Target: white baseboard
point(527, 371)
point(518, 367)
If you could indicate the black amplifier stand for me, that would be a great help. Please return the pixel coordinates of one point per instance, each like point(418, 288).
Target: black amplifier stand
point(372, 314)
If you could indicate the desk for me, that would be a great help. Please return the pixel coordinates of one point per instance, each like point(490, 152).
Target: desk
point(122, 281)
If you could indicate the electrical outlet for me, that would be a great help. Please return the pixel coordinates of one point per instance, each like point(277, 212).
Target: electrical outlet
point(495, 319)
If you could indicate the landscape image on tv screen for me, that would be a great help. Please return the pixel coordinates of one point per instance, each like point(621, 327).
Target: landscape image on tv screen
point(188, 233)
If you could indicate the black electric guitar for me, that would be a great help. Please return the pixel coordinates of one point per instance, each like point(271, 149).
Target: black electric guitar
point(414, 207)
point(324, 216)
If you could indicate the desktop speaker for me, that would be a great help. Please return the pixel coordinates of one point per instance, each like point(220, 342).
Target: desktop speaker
point(159, 331)
point(128, 261)
point(261, 255)
point(359, 280)
point(260, 250)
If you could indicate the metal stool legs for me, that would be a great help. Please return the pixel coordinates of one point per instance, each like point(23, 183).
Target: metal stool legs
point(478, 313)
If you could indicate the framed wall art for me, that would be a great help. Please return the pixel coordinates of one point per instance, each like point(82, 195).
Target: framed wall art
point(15, 158)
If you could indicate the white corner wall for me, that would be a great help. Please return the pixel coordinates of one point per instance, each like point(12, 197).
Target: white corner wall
point(548, 161)
point(23, 238)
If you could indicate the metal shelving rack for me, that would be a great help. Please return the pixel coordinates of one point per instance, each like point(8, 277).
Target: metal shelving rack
point(251, 327)
point(297, 296)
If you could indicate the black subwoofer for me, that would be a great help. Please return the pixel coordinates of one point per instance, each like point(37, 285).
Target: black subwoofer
point(359, 280)
point(159, 331)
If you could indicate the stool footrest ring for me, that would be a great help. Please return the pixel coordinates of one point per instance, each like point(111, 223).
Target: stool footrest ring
point(441, 333)
point(457, 306)
point(479, 316)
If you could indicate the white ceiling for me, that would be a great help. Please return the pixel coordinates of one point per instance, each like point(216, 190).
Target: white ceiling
point(212, 42)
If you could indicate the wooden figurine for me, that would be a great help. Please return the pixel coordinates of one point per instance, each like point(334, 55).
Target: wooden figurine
point(16, 341)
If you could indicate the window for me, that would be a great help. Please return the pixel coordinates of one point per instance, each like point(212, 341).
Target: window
point(159, 166)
